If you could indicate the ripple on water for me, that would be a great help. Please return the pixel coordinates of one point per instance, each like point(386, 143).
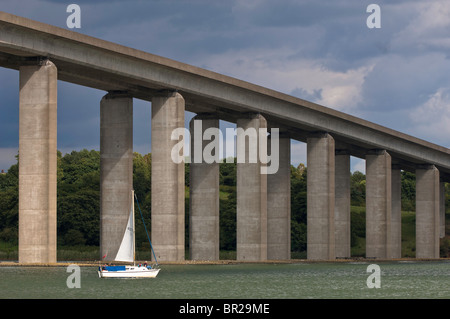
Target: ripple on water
point(298, 281)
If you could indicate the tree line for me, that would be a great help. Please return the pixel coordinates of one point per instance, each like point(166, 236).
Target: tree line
point(78, 202)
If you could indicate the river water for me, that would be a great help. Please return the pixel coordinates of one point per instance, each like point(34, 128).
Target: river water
point(349, 280)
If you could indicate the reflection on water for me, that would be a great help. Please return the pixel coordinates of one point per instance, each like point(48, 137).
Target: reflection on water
point(272, 281)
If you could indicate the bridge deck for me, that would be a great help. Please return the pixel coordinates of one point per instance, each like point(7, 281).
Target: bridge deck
point(103, 65)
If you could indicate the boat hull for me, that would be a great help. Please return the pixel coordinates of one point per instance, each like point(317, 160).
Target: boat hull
point(129, 272)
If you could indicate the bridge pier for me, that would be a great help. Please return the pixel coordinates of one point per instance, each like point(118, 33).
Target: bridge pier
point(38, 163)
point(342, 204)
point(427, 212)
point(204, 194)
point(167, 178)
point(378, 204)
point(251, 210)
point(279, 204)
point(442, 209)
point(321, 197)
point(116, 170)
point(396, 217)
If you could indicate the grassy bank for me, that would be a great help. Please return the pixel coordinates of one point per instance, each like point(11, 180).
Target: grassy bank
point(84, 253)
point(408, 233)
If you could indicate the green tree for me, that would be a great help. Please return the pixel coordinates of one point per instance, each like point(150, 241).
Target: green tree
point(357, 226)
point(142, 172)
point(75, 165)
point(227, 205)
point(358, 189)
point(408, 191)
point(227, 175)
point(79, 198)
point(9, 204)
point(298, 208)
point(228, 222)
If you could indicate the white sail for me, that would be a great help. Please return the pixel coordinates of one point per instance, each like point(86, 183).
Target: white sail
point(126, 254)
point(126, 250)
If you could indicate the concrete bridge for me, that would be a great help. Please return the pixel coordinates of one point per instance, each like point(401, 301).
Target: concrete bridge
point(44, 54)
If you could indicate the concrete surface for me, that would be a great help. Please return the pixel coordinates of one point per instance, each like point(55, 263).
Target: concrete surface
point(378, 204)
point(427, 212)
point(342, 205)
point(204, 232)
point(321, 197)
point(396, 213)
point(103, 65)
point(168, 219)
point(38, 163)
point(279, 204)
point(251, 192)
point(116, 171)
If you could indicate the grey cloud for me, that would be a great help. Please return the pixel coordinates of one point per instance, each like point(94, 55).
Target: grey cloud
point(314, 96)
point(331, 33)
point(9, 108)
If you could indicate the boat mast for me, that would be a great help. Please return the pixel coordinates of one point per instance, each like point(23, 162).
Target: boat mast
point(145, 227)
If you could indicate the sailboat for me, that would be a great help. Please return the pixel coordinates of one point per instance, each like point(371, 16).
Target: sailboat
point(126, 253)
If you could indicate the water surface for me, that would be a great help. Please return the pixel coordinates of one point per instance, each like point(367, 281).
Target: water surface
point(236, 281)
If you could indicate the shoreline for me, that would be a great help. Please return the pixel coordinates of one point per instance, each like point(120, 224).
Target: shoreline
point(226, 262)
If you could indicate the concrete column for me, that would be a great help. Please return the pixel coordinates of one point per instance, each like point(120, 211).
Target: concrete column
point(427, 212)
point(204, 189)
point(251, 219)
point(396, 213)
point(396, 218)
point(167, 179)
point(442, 209)
point(378, 204)
point(320, 197)
point(116, 170)
point(342, 204)
point(37, 163)
point(279, 203)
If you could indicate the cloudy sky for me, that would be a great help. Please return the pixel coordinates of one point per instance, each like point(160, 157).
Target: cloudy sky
point(320, 50)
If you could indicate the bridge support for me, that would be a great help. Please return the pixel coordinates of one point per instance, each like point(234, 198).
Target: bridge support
point(342, 204)
point(321, 197)
point(396, 218)
point(204, 191)
point(279, 203)
point(378, 204)
point(442, 209)
point(116, 170)
point(37, 163)
point(167, 178)
point(251, 210)
point(427, 212)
